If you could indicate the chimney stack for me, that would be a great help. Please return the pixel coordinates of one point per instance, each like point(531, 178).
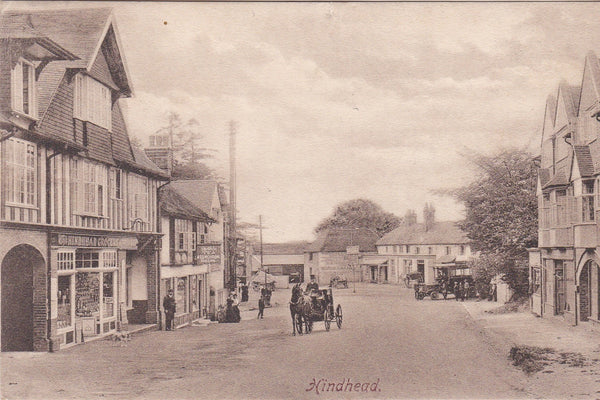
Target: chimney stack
point(429, 216)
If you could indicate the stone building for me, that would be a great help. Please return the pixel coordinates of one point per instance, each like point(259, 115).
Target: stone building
point(337, 252)
point(424, 248)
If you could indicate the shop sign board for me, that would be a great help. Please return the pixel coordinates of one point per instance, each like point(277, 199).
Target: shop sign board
point(69, 240)
point(209, 253)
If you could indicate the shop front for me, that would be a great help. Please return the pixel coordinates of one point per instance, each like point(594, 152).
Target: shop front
point(190, 288)
point(86, 285)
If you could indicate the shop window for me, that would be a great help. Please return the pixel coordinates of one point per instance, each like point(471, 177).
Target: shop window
point(21, 171)
point(87, 288)
point(181, 295)
point(64, 319)
point(194, 293)
point(108, 300)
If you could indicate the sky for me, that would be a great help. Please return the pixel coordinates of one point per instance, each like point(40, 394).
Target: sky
point(337, 101)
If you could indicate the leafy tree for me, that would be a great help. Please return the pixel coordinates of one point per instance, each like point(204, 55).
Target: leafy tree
point(360, 213)
point(188, 153)
point(501, 215)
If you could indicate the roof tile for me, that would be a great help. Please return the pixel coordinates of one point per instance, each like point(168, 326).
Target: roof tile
point(443, 232)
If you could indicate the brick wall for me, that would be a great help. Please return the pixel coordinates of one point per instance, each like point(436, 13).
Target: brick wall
point(152, 286)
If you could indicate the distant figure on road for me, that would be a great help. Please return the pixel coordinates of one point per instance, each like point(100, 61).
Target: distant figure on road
point(261, 307)
point(465, 294)
point(457, 292)
point(493, 292)
point(170, 308)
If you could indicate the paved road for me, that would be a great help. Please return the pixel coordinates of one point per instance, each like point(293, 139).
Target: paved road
point(392, 345)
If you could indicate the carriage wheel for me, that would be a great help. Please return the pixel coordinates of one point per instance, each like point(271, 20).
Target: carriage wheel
point(434, 295)
point(338, 316)
point(298, 320)
point(327, 320)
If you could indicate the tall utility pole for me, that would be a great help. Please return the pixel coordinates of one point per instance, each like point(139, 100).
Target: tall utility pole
point(261, 248)
point(232, 200)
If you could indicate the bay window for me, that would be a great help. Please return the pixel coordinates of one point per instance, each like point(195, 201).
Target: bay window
point(20, 159)
point(23, 89)
point(92, 101)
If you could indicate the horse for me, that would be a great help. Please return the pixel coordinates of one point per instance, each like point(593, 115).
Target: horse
point(294, 309)
point(300, 309)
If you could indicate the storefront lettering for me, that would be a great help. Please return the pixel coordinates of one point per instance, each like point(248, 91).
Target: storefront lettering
point(209, 254)
point(84, 241)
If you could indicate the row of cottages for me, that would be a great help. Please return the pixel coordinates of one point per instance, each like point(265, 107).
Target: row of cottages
point(193, 251)
point(564, 271)
point(432, 249)
point(285, 261)
point(338, 252)
point(198, 243)
point(79, 244)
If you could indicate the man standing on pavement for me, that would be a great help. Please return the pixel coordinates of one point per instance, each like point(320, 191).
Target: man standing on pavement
point(169, 307)
point(261, 307)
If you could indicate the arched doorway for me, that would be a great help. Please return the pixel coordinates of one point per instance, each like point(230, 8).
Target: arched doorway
point(17, 297)
point(589, 295)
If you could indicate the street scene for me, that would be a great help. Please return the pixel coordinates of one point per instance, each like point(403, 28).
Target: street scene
point(433, 350)
point(275, 200)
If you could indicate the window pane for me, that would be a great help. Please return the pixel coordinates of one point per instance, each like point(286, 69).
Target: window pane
point(64, 301)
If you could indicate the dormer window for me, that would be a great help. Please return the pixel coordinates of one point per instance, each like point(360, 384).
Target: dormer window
point(23, 88)
point(92, 101)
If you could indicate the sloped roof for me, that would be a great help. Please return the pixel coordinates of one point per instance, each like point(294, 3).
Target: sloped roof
point(594, 65)
point(443, 232)
point(12, 28)
point(199, 192)
point(595, 153)
point(78, 30)
point(281, 248)
point(584, 160)
point(559, 179)
point(175, 205)
point(336, 240)
point(47, 83)
point(544, 174)
point(571, 98)
point(143, 162)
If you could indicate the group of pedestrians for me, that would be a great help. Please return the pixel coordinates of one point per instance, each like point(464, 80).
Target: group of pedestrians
point(461, 289)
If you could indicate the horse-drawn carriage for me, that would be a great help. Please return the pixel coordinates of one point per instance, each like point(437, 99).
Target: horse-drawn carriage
point(316, 306)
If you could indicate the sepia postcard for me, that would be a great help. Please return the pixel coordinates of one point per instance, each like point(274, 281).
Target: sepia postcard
point(299, 200)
